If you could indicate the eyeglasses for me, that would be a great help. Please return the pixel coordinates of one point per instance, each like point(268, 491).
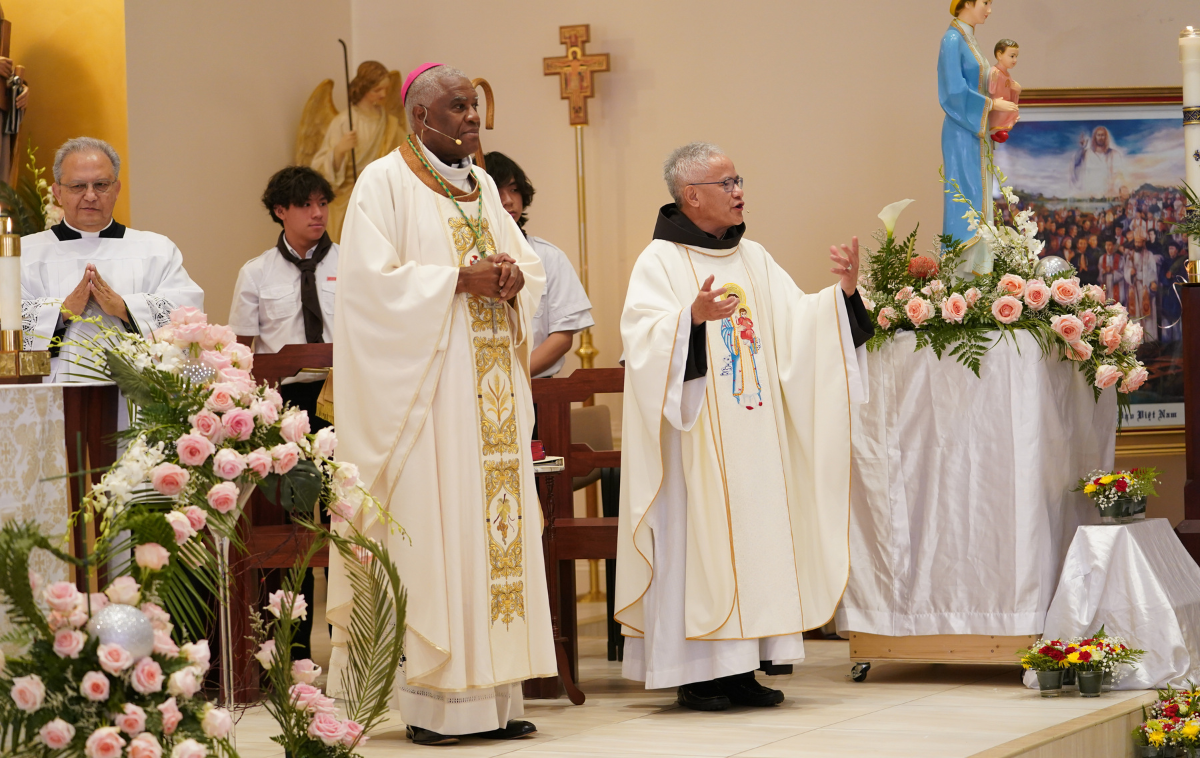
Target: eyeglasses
point(101, 188)
point(727, 184)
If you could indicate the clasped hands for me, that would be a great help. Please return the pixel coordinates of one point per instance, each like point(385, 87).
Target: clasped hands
point(93, 287)
point(496, 276)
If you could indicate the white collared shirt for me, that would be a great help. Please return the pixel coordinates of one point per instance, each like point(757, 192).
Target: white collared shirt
point(564, 306)
point(266, 299)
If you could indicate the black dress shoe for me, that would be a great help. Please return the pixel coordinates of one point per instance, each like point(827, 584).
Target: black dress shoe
point(421, 736)
point(513, 730)
point(743, 689)
point(703, 696)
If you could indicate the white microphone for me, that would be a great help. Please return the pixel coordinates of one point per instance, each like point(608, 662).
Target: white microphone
point(425, 122)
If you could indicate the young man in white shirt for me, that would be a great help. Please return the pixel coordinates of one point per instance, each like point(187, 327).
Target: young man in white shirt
point(565, 308)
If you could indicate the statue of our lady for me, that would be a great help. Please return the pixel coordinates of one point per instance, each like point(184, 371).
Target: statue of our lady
point(963, 94)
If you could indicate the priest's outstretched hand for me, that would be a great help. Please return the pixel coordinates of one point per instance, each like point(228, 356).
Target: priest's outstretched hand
point(846, 265)
point(107, 298)
point(495, 276)
point(707, 307)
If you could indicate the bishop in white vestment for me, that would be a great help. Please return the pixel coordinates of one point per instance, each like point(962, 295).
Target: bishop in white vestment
point(433, 404)
point(735, 486)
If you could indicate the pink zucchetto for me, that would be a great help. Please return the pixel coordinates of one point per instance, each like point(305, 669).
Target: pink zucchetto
point(413, 77)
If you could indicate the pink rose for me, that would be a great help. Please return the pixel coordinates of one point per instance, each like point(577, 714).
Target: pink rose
point(217, 723)
point(887, 316)
point(266, 411)
point(326, 439)
point(972, 296)
point(182, 526)
point(354, 736)
point(1079, 351)
point(189, 748)
point(239, 424)
point(194, 448)
point(94, 686)
point(294, 426)
point(214, 360)
point(954, 308)
point(303, 695)
point(285, 456)
point(280, 598)
point(62, 596)
point(345, 476)
point(1011, 284)
point(1037, 294)
point(132, 721)
point(163, 645)
point(113, 658)
point(124, 591)
point(239, 355)
point(196, 517)
point(145, 745)
point(1107, 375)
point(28, 692)
point(57, 734)
point(159, 619)
point(151, 556)
point(36, 582)
point(259, 461)
point(186, 314)
point(185, 682)
point(68, 643)
point(1007, 309)
point(208, 424)
point(239, 382)
point(272, 396)
point(222, 399)
point(904, 294)
point(187, 335)
point(1110, 337)
point(1131, 336)
point(171, 716)
point(266, 654)
point(1067, 327)
point(305, 671)
point(228, 464)
point(105, 742)
point(219, 337)
point(342, 510)
point(197, 654)
point(1066, 291)
point(1095, 293)
point(98, 601)
point(1134, 379)
point(1089, 320)
point(169, 479)
point(919, 310)
point(327, 729)
point(223, 497)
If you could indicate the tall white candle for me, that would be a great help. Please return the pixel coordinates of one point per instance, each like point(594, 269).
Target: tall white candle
point(10, 293)
point(1189, 56)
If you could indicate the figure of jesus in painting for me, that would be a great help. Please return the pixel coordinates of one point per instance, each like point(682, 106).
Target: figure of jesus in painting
point(1002, 85)
point(742, 348)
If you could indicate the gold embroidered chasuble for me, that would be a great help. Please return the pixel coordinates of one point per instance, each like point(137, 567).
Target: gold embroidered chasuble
point(767, 461)
point(434, 407)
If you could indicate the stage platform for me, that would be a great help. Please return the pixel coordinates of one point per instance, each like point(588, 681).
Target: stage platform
point(903, 709)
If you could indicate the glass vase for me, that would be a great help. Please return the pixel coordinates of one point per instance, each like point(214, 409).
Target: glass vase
point(1124, 510)
point(1050, 682)
point(1089, 682)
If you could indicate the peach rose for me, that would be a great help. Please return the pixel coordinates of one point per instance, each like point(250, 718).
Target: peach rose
point(1037, 294)
point(285, 457)
point(327, 729)
point(919, 310)
point(1007, 309)
point(1134, 379)
point(217, 723)
point(62, 596)
point(132, 721)
point(196, 517)
point(94, 686)
point(28, 692)
point(1089, 320)
point(221, 400)
point(886, 317)
point(904, 294)
point(186, 314)
point(1066, 291)
point(954, 308)
point(151, 556)
point(185, 682)
point(223, 497)
point(353, 734)
point(105, 742)
point(1095, 293)
point(171, 716)
point(265, 411)
point(1110, 337)
point(294, 426)
point(182, 526)
point(197, 654)
point(169, 479)
point(1011, 284)
point(159, 619)
point(113, 658)
point(228, 464)
point(972, 296)
point(239, 424)
point(163, 645)
point(1079, 351)
point(1067, 327)
point(280, 598)
point(57, 734)
point(189, 748)
point(194, 448)
point(68, 643)
point(1107, 375)
point(325, 441)
point(124, 591)
point(145, 745)
point(208, 424)
point(305, 671)
point(266, 654)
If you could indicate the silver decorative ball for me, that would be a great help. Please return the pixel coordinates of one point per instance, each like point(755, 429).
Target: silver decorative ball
point(126, 626)
point(1050, 266)
point(197, 371)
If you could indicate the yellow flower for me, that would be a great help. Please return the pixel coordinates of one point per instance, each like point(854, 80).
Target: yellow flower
point(1107, 479)
point(1073, 657)
point(1191, 730)
point(1156, 738)
point(1089, 489)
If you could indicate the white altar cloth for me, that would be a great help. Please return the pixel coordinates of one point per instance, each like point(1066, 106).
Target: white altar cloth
point(961, 510)
point(1138, 582)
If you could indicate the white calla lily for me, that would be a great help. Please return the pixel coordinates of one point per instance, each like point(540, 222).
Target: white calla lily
point(892, 212)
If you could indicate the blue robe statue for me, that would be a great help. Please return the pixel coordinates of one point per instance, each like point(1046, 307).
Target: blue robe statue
point(963, 94)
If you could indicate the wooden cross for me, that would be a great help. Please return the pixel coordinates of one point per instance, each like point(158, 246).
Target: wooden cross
point(575, 70)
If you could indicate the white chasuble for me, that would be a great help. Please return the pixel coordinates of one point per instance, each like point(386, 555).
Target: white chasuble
point(735, 486)
point(433, 405)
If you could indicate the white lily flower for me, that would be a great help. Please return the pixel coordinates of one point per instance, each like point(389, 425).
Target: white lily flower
point(892, 212)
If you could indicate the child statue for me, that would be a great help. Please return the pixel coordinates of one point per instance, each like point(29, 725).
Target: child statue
point(964, 97)
point(1002, 85)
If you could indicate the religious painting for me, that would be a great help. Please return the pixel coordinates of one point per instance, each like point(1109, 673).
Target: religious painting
point(742, 347)
point(1102, 170)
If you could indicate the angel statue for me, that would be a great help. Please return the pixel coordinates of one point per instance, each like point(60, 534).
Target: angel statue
point(326, 141)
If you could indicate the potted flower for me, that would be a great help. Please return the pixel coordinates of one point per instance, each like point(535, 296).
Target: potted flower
point(1049, 661)
point(1171, 725)
point(1094, 657)
point(1120, 495)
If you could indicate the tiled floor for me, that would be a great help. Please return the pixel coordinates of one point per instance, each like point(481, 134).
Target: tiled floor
point(901, 710)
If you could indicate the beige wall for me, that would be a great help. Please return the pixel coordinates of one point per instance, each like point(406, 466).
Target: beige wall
point(215, 93)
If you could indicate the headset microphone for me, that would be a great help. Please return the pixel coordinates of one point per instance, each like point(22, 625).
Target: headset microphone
point(425, 122)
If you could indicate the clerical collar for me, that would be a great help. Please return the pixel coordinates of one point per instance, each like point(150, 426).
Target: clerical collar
point(459, 174)
point(674, 226)
point(65, 232)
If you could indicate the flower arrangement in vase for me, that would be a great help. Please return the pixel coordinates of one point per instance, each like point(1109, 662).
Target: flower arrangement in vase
point(1170, 725)
point(1048, 659)
point(1095, 657)
point(1120, 496)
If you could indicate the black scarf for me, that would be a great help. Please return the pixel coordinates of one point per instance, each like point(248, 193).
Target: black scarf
point(673, 226)
point(310, 305)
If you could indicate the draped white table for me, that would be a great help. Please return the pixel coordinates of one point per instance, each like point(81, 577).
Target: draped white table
point(961, 510)
point(1138, 582)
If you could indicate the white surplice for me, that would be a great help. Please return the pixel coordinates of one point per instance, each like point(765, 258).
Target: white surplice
point(433, 404)
point(144, 268)
point(732, 537)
